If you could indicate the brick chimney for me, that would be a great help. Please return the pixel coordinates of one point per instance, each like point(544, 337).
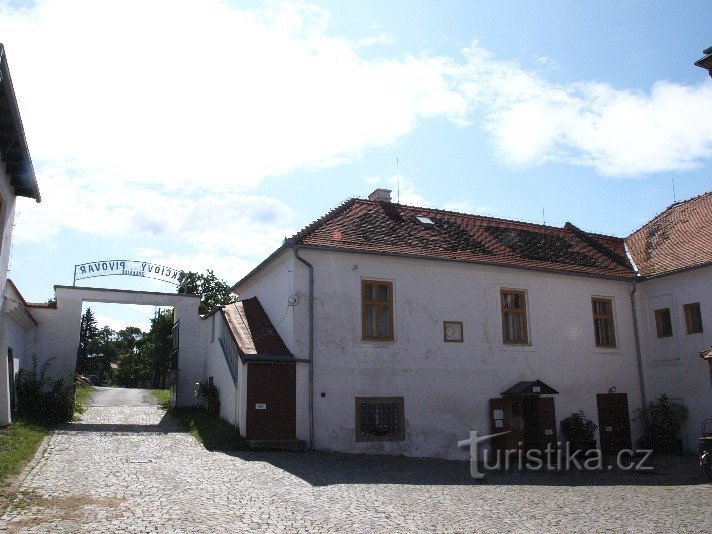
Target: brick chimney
point(380, 195)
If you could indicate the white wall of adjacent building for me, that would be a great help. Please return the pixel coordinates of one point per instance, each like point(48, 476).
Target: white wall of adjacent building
point(445, 386)
point(672, 364)
point(7, 217)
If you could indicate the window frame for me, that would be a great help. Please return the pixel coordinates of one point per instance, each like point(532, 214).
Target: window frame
point(658, 323)
point(610, 316)
point(524, 311)
point(400, 407)
point(376, 303)
point(688, 318)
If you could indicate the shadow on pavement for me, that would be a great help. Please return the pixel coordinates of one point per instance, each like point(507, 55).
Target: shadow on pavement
point(165, 425)
point(324, 469)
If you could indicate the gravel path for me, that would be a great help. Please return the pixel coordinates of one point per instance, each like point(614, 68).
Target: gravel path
point(126, 468)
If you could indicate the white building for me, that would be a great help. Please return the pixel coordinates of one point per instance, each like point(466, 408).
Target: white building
point(673, 253)
point(17, 178)
point(418, 320)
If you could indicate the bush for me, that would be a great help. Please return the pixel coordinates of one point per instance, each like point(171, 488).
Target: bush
point(43, 400)
point(662, 421)
point(209, 392)
point(578, 429)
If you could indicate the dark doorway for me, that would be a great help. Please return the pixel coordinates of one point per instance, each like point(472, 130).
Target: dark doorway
point(11, 380)
point(613, 422)
point(529, 419)
point(271, 401)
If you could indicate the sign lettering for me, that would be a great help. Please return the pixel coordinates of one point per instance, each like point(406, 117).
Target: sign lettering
point(142, 269)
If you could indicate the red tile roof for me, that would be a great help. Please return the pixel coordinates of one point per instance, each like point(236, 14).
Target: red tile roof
point(389, 228)
point(677, 239)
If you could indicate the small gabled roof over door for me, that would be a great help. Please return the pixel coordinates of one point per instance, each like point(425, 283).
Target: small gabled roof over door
point(532, 387)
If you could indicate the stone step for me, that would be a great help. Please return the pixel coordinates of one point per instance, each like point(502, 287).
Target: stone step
point(278, 444)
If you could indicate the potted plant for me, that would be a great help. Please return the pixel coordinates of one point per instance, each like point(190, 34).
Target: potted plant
point(662, 421)
point(579, 431)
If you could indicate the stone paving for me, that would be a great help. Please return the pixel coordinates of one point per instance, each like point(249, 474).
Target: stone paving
point(128, 469)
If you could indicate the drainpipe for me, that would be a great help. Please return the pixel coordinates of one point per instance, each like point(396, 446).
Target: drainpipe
point(311, 343)
point(637, 345)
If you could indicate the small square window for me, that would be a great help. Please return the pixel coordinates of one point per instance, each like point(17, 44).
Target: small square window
point(380, 419)
point(693, 318)
point(663, 322)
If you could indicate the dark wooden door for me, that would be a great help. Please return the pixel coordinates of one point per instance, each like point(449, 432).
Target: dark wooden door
point(271, 401)
point(613, 422)
point(547, 422)
point(506, 416)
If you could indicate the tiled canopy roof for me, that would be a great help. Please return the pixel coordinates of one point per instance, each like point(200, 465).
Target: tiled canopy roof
point(389, 228)
point(679, 238)
point(253, 332)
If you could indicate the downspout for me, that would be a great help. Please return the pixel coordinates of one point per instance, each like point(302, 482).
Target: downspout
point(638, 355)
point(295, 248)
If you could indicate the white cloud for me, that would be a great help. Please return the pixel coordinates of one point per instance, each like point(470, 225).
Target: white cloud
point(165, 92)
point(617, 132)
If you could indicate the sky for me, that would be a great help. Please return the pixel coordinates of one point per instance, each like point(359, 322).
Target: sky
point(200, 134)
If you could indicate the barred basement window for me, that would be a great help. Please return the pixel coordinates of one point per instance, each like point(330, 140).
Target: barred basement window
point(380, 419)
point(663, 322)
point(514, 317)
point(693, 318)
point(603, 325)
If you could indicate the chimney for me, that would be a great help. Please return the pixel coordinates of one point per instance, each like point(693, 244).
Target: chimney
point(380, 195)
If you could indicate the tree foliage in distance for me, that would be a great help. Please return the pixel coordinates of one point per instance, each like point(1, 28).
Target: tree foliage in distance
point(212, 290)
point(88, 330)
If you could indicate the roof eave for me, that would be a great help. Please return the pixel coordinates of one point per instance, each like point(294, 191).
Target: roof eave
point(27, 185)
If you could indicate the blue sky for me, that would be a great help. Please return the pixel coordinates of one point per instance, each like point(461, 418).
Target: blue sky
point(198, 135)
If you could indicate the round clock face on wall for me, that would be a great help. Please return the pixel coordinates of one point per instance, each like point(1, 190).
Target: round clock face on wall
point(453, 331)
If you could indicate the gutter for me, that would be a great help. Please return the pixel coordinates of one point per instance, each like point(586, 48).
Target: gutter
point(310, 361)
point(636, 331)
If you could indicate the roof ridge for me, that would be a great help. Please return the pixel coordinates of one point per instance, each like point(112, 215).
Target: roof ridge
point(487, 217)
point(671, 206)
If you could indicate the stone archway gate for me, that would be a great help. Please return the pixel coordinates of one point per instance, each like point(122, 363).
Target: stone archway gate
point(57, 334)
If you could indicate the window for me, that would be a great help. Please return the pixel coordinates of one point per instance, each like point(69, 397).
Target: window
point(514, 317)
point(377, 310)
point(603, 326)
point(380, 419)
point(663, 322)
point(693, 318)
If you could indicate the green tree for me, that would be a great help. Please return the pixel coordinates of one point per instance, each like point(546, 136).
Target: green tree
point(158, 346)
point(88, 330)
point(212, 290)
point(102, 353)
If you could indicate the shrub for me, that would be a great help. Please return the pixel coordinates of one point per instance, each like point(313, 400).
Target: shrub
point(41, 399)
point(209, 392)
point(577, 428)
point(662, 421)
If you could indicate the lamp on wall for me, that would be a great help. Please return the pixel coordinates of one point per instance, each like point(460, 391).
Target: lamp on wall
point(612, 390)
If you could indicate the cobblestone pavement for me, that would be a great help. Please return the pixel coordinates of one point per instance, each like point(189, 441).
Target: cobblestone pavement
point(128, 469)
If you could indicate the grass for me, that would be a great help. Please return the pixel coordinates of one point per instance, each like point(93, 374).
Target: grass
point(82, 392)
point(18, 443)
point(214, 433)
point(163, 396)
